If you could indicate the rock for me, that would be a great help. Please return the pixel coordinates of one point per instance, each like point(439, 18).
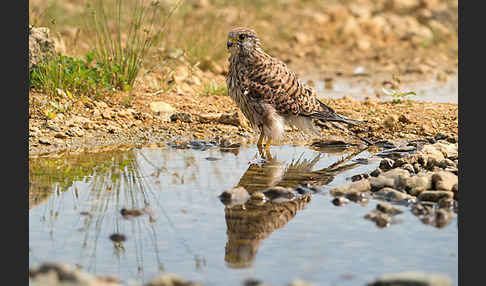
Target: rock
point(393, 195)
point(236, 195)
point(434, 196)
point(61, 135)
point(44, 141)
point(259, 196)
point(162, 109)
point(359, 71)
point(300, 283)
point(388, 209)
point(254, 282)
point(444, 180)
point(396, 174)
point(386, 164)
point(118, 237)
point(40, 46)
point(376, 172)
point(180, 74)
point(222, 118)
point(431, 156)
point(64, 274)
point(420, 209)
point(446, 163)
point(409, 168)
point(381, 219)
point(357, 196)
point(340, 201)
point(170, 280)
point(404, 119)
point(390, 121)
point(359, 177)
point(380, 182)
point(443, 217)
point(182, 117)
point(279, 192)
point(416, 184)
point(446, 203)
point(455, 189)
point(405, 4)
point(412, 279)
point(358, 186)
point(448, 150)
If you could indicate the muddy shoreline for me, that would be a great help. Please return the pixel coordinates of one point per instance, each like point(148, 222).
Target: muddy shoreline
point(216, 118)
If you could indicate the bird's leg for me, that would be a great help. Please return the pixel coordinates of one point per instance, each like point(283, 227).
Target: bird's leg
point(260, 140)
point(259, 144)
point(267, 149)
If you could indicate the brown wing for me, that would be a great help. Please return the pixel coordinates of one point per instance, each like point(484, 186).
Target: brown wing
point(270, 81)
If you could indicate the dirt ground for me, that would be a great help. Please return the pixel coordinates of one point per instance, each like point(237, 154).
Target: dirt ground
point(415, 39)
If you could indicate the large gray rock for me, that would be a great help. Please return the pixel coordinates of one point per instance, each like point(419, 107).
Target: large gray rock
point(40, 46)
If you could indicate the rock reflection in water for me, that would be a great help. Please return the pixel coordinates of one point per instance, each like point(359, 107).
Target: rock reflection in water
point(249, 223)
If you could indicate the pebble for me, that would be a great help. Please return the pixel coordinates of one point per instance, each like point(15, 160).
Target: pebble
point(434, 196)
point(357, 196)
point(168, 279)
point(182, 117)
point(236, 195)
point(390, 121)
point(340, 201)
point(44, 141)
point(390, 194)
point(65, 274)
point(386, 164)
point(388, 209)
point(117, 237)
point(381, 219)
point(416, 184)
point(301, 283)
point(376, 172)
point(404, 119)
point(444, 180)
point(61, 135)
point(279, 192)
point(259, 196)
point(412, 278)
point(446, 203)
point(357, 186)
point(162, 109)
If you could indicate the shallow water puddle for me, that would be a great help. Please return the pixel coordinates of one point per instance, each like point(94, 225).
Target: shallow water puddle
point(435, 91)
point(75, 203)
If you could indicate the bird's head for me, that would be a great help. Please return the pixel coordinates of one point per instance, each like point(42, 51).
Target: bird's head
point(242, 40)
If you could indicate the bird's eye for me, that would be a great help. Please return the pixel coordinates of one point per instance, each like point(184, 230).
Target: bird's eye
point(241, 37)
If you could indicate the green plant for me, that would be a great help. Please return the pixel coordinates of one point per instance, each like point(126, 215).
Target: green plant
point(119, 55)
point(394, 92)
point(63, 75)
point(214, 88)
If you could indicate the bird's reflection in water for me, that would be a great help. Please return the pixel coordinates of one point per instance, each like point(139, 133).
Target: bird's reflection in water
point(249, 223)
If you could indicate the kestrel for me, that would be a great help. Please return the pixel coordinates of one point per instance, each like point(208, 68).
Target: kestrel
point(268, 93)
